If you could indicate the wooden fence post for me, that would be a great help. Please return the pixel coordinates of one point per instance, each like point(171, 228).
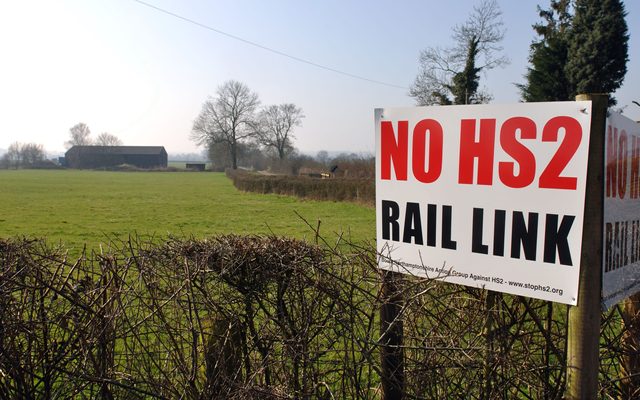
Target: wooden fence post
point(391, 335)
point(584, 319)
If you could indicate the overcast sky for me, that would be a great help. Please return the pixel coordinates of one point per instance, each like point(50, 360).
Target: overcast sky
point(125, 68)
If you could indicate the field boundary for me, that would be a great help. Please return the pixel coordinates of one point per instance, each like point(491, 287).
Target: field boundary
point(358, 190)
point(242, 317)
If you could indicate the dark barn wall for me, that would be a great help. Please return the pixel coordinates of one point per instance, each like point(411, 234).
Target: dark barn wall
point(196, 166)
point(144, 160)
point(95, 157)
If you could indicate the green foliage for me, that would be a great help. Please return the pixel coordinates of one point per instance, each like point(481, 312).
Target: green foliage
point(545, 78)
point(581, 53)
point(91, 207)
point(597, 55)
point(465, 83)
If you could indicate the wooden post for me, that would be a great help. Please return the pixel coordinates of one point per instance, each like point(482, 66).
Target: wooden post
point(489, 352)
point(584, 319)
point(391, 337)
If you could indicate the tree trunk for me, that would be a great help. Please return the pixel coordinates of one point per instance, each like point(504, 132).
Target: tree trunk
point(234, 157)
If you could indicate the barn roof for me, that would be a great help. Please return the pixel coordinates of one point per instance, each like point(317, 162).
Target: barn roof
point(149, 150)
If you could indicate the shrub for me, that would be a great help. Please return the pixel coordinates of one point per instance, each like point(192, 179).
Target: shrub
point(333, 189)
point(265, 317)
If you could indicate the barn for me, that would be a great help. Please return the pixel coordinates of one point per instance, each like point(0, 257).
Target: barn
point(96, 157)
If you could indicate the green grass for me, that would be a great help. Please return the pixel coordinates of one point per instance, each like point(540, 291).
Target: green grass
point(93, 207)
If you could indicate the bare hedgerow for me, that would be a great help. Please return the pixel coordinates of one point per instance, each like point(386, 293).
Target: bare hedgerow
point(254, 317)
point(359, 190)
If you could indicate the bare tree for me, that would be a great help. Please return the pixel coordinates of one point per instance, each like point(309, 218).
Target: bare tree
point(323, 157)
point(32, 154)
point(276, 124)
point(455, 71)
point(107, 139)
point(228, 118)
point(79, 135)
point(23, 155)
point(13, 157)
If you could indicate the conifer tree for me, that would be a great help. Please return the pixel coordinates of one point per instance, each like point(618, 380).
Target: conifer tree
point(598, 47)
point(581, 53)
point(545, 77)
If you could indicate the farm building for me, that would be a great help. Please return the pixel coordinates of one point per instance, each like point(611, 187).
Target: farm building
point(196, 166)
point(91, 157)
point(313, 173)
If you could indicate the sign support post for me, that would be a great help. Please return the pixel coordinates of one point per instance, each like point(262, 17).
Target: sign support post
point(584, 319)
point(391, 333)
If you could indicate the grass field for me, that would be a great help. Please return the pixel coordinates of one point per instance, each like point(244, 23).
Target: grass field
point(93, 207)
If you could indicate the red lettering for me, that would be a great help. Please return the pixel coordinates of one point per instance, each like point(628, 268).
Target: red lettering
point(635, 167)
point(520, 153)
point(394, 150)
point(612, 152)
point(482, 150)
point(622, 164)
point(477, 148)
point(432, 173)
point(550, 177)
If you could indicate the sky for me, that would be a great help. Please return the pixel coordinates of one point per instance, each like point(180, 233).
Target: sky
point(123, 67)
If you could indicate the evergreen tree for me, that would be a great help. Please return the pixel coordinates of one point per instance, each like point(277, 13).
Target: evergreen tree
point(598, 47)
point(545, 78)
point(464, 84)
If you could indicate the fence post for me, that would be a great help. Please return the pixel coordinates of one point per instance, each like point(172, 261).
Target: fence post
point(391, 335)
point(584, 319)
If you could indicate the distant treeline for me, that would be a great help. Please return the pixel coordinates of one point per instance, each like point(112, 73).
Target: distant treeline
point(26, 155)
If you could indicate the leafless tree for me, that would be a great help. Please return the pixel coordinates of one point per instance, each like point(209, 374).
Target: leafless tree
point(79, 135)
point(323, 157)
point(276, 124)
point(107, 139)
point(228, 118)
point(454, 71)
point(13, 157)
point(23, 155)
point(32, 154)
point(248, 154)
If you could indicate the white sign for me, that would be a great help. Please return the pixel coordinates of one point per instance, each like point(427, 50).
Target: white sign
point(484, 195)
point(621, 238)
